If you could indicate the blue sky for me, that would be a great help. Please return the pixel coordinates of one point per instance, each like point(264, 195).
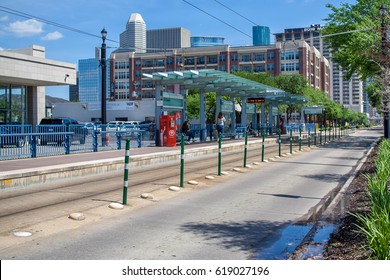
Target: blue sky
point(91, 16)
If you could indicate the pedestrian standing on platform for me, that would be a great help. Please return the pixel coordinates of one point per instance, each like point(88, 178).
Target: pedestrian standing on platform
point(220, 122)
point(186, 129)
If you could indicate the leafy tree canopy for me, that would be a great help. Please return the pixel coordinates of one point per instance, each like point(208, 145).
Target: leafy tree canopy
point(358, 45)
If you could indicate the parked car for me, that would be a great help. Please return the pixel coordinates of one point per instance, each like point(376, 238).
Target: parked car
point(57, 125)
point(16, 140)
point(114, 125)
point(130, 125)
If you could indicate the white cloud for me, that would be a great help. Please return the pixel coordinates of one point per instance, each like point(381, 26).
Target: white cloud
point(25, 28)
point(52, 36)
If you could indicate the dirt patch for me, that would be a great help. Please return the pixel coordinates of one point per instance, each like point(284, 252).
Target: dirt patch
point(346, 242)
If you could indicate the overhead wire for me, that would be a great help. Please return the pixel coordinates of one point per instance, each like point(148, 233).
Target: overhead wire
point(220, 20)
point(29, 16)
point(237, 13)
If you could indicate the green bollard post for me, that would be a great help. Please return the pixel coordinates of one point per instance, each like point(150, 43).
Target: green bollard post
point(246, 147)
point(182, 161)
point(291, 141)
point(220, 154)
point(126, 172)
point(308, 137)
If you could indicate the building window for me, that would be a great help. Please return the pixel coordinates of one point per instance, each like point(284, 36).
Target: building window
point(259, 57)
point(200, 60)
point(234, 57)
point(246, 68)
point(122, 65)
point(160, 62)
point(222, 68)
point(190, 61)
point(246, 57)
point(121, 75)
point(270, 67)
point(213, 60)
point(222, 58)
point(270, 56)
point(290, 55)
point(259, 68)
point(234, 68)
point(148, 63)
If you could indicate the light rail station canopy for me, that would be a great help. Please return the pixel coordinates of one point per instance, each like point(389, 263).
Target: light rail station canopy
point(223, 83)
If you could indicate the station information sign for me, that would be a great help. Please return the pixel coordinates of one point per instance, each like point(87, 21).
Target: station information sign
point(256, 100)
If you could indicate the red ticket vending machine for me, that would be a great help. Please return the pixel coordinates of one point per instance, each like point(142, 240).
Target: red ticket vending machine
point(168, 131)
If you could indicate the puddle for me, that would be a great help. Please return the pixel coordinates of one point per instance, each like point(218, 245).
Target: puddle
point(290, 238)
point(315, 248)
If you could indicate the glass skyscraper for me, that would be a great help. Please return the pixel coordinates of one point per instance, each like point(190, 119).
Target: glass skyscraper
point(90, 80)
point(261, 35)
point(205, 41)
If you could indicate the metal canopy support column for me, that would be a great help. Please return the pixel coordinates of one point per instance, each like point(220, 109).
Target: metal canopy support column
point(158, 112)
point(270, 117)
point(254, 120)
point(202, 116)
point(183, 113)
point(233, 114)
point(218, 105)
point(262, 117)
point(243, 112)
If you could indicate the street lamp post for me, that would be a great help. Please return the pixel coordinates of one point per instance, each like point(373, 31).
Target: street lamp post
point(385, 70)
point(103, 65)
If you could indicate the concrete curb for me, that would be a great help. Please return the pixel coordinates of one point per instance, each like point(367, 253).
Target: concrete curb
point(31, 176)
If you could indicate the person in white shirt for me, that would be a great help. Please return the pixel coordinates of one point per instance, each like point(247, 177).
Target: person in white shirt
point(220, 122)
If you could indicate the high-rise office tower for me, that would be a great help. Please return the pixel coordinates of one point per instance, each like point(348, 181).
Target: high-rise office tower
point(167, 38)
point(261, 35)
point(90, 79)
point(134, 37)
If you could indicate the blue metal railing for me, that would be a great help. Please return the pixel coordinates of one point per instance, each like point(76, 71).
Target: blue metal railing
point(51, 140)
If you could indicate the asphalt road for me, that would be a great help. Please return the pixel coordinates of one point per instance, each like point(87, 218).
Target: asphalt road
point(233, 217)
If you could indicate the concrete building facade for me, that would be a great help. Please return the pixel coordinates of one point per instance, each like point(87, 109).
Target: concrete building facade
point(24, 74)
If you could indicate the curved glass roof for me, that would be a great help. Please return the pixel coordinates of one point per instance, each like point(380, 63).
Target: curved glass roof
point(224, 83)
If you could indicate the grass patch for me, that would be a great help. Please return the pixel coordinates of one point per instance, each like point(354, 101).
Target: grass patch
point(376, 224)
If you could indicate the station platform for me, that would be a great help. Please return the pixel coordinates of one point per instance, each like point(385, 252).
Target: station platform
point(26, 172)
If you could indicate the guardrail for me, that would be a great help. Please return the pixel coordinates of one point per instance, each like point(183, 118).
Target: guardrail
point(26, 145)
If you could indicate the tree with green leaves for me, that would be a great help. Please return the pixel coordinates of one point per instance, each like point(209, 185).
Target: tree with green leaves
point(357, 36)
